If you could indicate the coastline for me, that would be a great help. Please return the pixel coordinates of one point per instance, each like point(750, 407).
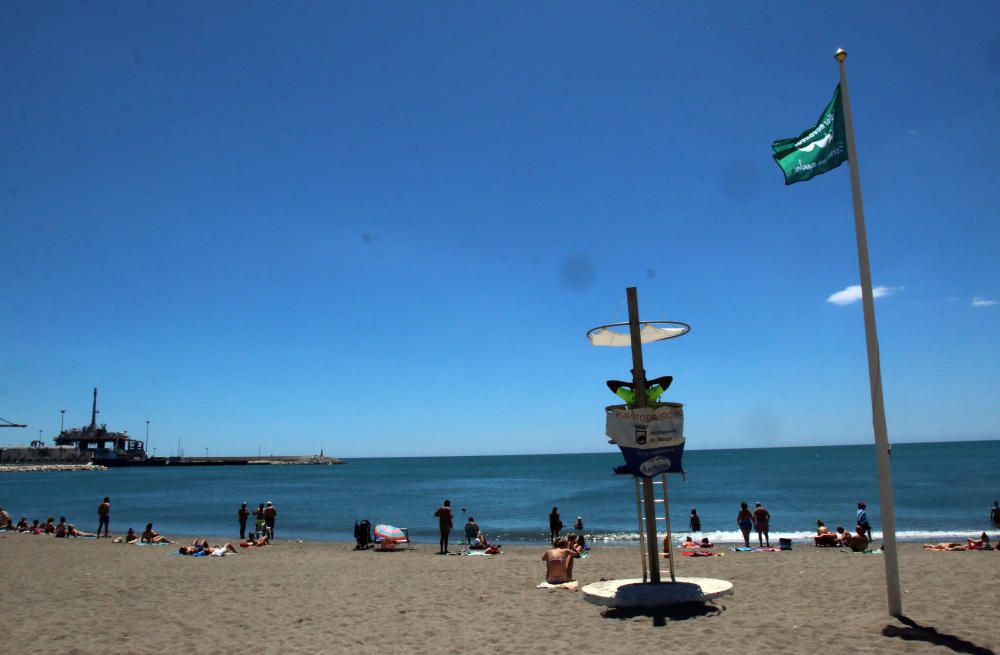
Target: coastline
point(92, 596)
point(39, 468)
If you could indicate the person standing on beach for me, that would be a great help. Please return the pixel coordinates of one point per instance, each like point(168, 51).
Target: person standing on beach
point(863, 520)
point(243, 515)
point(994, 514)
point(745, 520)
point(555, 524)
point(695, 523)
point(762, 519)
point(444, 516)
point(270, 512)
point(104, 514)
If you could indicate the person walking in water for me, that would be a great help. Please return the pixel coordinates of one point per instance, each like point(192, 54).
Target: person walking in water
point(104, 516)
point(555, 524)
point(444, 516)
point(863, 520)
point(995, 514)
point(695, 522)
point(745, 520)
point(243, 515)
point(762, 519)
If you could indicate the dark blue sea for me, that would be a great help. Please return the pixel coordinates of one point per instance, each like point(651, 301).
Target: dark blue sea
point(942, 490)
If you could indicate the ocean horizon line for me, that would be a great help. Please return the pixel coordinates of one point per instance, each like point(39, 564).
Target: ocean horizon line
point(686, 450)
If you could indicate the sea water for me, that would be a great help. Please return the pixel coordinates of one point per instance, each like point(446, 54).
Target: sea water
point(942, 491)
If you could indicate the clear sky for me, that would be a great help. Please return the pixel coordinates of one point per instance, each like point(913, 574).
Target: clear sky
point(385, 228)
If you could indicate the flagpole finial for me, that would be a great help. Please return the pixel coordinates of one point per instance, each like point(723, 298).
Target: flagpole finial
point(840, 55)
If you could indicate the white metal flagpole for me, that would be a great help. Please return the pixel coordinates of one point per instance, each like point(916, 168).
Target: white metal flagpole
point(874, 370)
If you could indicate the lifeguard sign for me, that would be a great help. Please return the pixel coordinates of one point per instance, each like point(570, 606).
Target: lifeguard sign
point(650, 434)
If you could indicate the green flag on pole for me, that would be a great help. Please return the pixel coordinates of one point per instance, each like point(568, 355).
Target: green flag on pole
point(817, 150)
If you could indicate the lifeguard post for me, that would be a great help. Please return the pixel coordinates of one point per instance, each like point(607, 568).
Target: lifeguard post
point(651, 438)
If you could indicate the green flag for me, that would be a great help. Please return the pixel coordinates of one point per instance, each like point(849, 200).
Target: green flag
point(817, 150)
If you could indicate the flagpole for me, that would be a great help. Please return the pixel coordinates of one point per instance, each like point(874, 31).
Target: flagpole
point(874, 370)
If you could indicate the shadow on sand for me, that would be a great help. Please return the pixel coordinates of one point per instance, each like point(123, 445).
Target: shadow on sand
point(661, 615)
point(916, 632)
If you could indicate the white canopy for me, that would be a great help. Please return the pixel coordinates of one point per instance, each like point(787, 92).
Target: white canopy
point(606, 337)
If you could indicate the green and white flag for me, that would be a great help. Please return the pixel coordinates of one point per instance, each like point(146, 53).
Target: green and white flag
point(817, 150)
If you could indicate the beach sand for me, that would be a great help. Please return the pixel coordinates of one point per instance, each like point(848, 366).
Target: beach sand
point(89, 596)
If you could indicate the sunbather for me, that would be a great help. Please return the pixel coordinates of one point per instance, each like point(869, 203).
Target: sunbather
point(71, 531)
point(559, 562)
point(688, 543)
point(251, 542)
point(131, 537)
point(946, 545)
point(61, 528)
point(859, 540)
point(983, 543)
point(151, 536)
point(5, 522)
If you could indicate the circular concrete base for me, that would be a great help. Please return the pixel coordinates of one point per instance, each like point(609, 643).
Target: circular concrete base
point(634, 593)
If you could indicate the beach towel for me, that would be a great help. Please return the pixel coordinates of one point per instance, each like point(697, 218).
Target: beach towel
point(571, 585)
point(870, 551)
point(742, 549)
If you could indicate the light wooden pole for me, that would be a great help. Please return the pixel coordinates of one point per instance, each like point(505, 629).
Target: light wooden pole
point(874, 366)
point(639, 384)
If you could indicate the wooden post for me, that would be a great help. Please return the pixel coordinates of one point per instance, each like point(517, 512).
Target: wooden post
point(639, 384)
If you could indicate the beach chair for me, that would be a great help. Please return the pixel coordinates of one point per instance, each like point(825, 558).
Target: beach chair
point(388, 537)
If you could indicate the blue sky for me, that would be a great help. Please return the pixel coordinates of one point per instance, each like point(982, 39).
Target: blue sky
point(385, 228)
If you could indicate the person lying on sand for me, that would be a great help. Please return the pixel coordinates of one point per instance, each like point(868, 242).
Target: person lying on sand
point(688, 543)
point(151, 536)
point(559, 562)
point(705, 543)
point(71, 531)
point(203, 548)
point(259, 542)
point(946, 545)
point(983, 543)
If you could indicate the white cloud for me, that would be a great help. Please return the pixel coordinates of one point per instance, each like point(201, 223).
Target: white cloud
point(852, 294)
point(982, 302)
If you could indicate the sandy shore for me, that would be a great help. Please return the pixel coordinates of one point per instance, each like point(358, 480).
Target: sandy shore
point(89, 596)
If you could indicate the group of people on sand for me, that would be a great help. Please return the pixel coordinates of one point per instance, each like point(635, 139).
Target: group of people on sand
point(559, 558)
point(858, 541)
point(475, 538)
point(50, 527)
point(264, 518)
point(759, 519)
point(262, 536)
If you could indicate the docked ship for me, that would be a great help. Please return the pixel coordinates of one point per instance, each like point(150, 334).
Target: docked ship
point(105, 447)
